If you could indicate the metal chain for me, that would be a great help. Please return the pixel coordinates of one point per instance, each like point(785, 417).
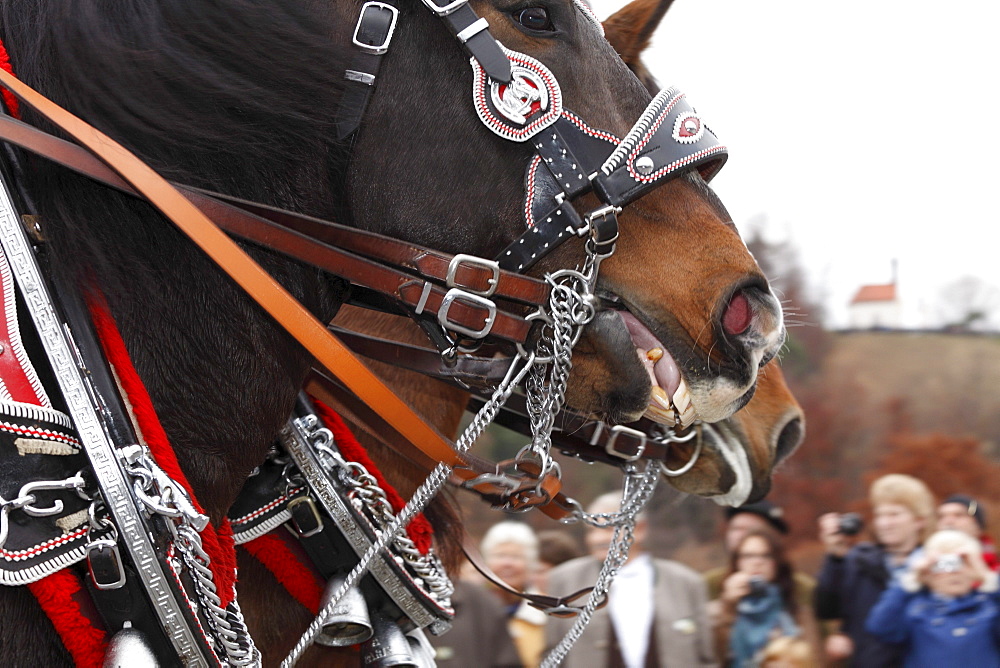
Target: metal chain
point(369, 498)
point(621, 542)
point(427, 490)
point(227, 624)
point(570, 308)
point(164, 496)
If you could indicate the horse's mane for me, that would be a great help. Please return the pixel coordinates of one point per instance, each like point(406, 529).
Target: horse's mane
point(214, 92)
point(237, 96)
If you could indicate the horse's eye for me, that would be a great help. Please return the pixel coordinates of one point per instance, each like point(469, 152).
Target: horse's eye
point(534, 18)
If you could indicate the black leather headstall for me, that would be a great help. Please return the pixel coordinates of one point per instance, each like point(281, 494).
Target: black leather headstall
point(574, 158)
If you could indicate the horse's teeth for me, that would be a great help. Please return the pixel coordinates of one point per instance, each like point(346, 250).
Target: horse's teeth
point(660, 409)
point(682, 398)
point(661, 415)
point(688, 417)
point(655, 354)
point(661, 398)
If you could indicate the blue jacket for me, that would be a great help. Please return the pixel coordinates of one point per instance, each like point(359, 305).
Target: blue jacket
point(847, 589)
point(938, 633)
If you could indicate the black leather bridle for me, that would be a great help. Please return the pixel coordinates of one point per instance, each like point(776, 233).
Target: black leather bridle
point(518, 98)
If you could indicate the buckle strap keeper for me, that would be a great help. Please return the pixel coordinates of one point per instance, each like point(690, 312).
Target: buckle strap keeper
point(372, 35)
point(472, 32)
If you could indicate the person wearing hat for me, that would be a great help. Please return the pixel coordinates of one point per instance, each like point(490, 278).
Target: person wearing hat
point(965, 514)
point(760, 516)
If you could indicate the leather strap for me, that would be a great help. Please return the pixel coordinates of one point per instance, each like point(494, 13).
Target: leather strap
point(372, 35)
point(466, 372)
point(258, 284)
point(266, 226)
point(473, 34)
point(456, 271)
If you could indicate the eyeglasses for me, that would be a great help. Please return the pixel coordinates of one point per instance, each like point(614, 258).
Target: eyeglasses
point(755, 555)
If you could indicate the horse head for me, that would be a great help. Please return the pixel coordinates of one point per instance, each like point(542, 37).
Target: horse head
point(681, 279)
point(740, 452)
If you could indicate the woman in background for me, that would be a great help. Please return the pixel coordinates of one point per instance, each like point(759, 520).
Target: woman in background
point(758, 603)
point(510, 549)
point(945, 610)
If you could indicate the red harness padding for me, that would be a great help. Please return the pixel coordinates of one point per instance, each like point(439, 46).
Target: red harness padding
point(292, 570)
point(216, 541)
point(13, 106)
point(86, 643)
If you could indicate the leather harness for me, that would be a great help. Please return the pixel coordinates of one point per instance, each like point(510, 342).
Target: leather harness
point(465, 299)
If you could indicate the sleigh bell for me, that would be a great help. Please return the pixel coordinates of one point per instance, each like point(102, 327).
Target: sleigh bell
point(128, 648)
point(349, 623)
point(388, 645)
point(421, 649)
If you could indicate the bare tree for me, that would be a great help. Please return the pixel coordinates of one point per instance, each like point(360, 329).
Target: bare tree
point(969, 304)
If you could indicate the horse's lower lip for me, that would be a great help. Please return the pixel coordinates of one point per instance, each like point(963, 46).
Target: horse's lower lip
point(728, 448)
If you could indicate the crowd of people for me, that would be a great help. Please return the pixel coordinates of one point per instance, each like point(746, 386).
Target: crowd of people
point(922, 592)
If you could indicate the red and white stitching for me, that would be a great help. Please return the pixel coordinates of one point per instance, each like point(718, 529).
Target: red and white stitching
point(260, 511)
point(529, 198)
point(21, 555)
point(656, 125)
point(40, 433)
point(597, 134)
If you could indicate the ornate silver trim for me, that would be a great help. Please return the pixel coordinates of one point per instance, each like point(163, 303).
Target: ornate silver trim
point(306, 460)
point(67, 366)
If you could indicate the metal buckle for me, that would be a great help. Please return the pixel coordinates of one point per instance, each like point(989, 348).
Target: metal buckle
point(617, 431)
point(479, 263)
point(450, 8)
point(384, 46)
point(602, 213)
point(455, 294)
point(104, 562)
point(305, 516)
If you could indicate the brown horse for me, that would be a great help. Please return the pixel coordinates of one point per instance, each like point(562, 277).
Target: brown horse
point(241, 96)
point(735, 466)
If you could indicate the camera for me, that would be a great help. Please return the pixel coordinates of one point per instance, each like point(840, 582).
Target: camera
point(947, 563)
point(850, 524)
point(758, 586)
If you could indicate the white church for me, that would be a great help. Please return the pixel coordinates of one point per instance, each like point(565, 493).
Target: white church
point(877, 306)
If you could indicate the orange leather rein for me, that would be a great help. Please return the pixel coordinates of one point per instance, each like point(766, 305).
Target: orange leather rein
point(106, 161)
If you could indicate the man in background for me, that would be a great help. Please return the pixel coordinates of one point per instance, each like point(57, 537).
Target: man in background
point(656, 613)
point(963, 513)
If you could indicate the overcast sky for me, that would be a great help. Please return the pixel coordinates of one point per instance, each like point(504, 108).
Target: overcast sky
point(860, 130)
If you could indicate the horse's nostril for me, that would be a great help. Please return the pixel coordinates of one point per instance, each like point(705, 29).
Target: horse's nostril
point(738, 315)
point(790, 437)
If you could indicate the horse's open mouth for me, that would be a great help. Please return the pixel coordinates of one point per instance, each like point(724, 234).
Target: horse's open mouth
point(669, 400)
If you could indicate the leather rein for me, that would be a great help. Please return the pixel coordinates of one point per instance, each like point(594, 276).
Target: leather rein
point(420, 279)
point(460, 300)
